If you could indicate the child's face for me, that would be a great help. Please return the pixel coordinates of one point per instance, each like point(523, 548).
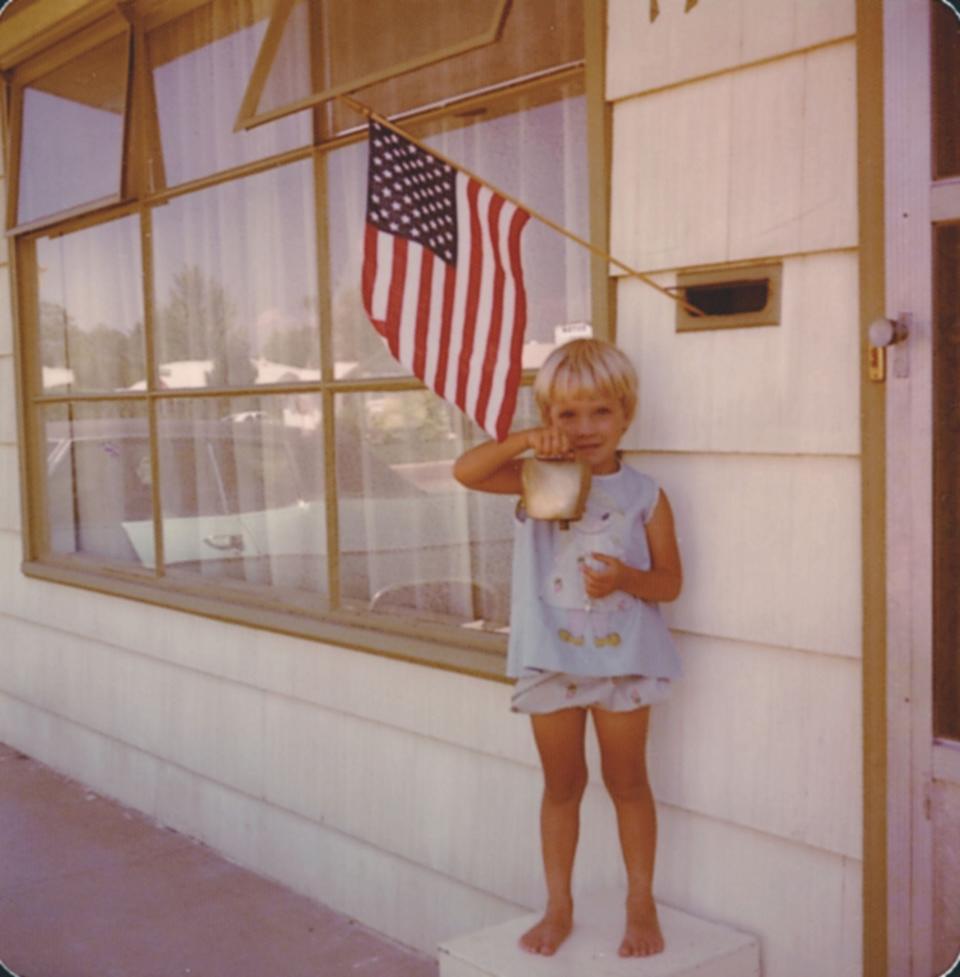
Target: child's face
point(594, 426)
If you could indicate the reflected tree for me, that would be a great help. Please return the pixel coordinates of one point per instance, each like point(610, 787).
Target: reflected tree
point(197, 320)
point(101, 358)
point(295, 346)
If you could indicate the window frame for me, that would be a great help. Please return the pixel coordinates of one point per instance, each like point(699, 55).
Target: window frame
point(465, 650)
point(248, 117)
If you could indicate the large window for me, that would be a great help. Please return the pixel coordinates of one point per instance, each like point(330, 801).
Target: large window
point(211, 420)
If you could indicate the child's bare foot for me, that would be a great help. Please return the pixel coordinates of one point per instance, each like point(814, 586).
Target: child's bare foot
point(545, 938)
point(642, 936)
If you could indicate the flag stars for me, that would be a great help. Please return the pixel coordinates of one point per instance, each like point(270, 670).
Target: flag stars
point(412, 193)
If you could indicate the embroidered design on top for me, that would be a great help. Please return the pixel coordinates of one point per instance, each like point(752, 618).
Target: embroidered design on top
point(603, 528)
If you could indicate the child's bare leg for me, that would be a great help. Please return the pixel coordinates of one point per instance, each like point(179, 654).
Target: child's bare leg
point(623, 737)
point(559, 737)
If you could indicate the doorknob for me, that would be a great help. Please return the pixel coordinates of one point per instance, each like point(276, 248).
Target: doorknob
point(882, 335)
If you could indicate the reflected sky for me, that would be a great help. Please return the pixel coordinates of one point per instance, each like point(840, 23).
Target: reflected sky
point(70, 154)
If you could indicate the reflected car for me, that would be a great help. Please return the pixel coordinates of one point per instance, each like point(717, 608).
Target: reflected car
point(244, 499)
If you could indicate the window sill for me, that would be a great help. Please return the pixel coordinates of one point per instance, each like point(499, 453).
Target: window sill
point(475, 653)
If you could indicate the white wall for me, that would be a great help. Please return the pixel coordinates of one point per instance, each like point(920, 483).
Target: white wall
point(734, 139)
point(407, 796)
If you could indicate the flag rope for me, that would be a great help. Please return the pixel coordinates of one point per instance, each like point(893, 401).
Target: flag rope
point(369, 113)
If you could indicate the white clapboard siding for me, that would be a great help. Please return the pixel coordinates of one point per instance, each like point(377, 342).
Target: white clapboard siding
point(390, 893)
point(714, 37)
point(788, 389)
point(671, 175)
point(771, 548)
point(713, 867)
point(734, 167)
point(6, 315)
point(767, 136)
point(803, 903)
point(8, 404)
point(828, 192)
point(381, 690)
point(764, 737)
point(9, 488)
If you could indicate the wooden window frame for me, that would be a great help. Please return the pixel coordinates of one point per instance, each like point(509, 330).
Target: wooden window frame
point(444, 646)
point(248, 116)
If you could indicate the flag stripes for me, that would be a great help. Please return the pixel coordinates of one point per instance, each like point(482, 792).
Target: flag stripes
point(457, 324)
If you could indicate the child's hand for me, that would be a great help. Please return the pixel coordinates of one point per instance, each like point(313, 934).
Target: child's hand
point(549, 442)
point(602, 575)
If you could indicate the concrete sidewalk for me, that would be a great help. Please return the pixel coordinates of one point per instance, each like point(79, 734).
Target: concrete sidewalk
point(89, 888)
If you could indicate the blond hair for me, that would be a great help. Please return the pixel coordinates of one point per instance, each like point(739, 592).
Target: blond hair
point(585, 368)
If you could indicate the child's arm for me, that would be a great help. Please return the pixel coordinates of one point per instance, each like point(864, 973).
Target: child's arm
point(494, 466)
point(661, 583)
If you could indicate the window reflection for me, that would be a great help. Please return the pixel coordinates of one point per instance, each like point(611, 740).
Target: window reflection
point(235, 282)
point(236, 482)
point(242, 490)
point(201, 63)
point(72, 138)
point(99, 476)
point(91, 308)
point(412, 541)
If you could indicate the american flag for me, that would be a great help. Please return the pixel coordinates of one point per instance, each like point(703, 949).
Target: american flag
point(442, 279)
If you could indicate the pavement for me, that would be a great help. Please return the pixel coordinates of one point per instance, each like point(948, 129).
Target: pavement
point(89, 888)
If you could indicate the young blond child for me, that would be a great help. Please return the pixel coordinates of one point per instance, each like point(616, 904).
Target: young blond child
point(585, 630)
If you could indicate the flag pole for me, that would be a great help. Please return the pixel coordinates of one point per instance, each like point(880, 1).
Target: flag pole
point(369, 113)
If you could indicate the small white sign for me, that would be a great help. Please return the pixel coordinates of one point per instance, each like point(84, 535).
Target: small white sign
point(572, 330)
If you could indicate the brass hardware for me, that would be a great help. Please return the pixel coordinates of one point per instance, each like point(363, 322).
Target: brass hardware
point(887, 334)
point(877, 363)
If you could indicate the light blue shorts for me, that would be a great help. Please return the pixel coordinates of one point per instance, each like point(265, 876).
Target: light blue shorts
point(538, 692)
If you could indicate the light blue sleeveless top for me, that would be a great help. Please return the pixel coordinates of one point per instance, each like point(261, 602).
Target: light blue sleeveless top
point(553, 624)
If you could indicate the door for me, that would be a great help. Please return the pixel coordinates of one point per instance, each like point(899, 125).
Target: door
point(922, 178)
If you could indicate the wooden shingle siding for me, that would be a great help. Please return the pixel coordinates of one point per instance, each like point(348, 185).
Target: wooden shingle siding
point(771, 548)
point(804, 903)
point(785, 782)
point(740, 166)
point(734, 142)
point(9, 489)
point(789, 389)
point(644, 56)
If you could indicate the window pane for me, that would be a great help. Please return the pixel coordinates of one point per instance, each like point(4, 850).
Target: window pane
point(535, 152)
point(946, 90)
point(242, 490)
point(201, 63)
point(72, 140)
point(236, 283)
point(99, 477)
point(91, 309)
point(946, 534)
point(414, 542)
